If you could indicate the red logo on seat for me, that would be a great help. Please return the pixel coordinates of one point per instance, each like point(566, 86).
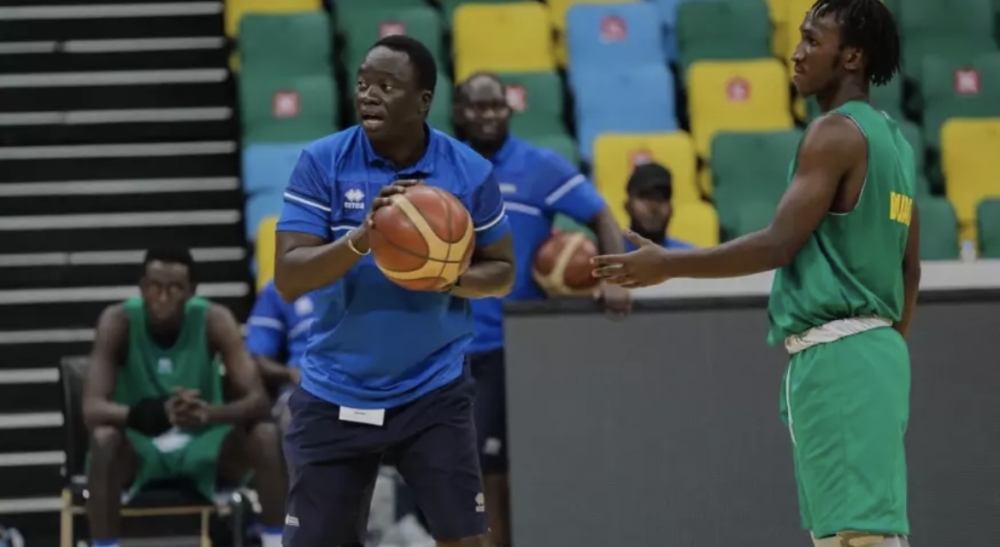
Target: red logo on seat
point(517, 97)
point(285, 104)
point(738, 90)
point(967, 81)
point(613, 29)
point(640, 157)
point(391, 28)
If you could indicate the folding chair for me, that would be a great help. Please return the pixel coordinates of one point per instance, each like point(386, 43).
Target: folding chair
point(166, 500)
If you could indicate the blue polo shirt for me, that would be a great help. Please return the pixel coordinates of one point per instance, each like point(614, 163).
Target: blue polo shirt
point(375, 344)
point(667, 243)
point(536, 184)
point(278, 329)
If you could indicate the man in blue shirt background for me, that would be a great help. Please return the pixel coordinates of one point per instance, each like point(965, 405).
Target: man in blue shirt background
point(536, 183)
point(384, 369)
point(277, 332)
point(650, 190)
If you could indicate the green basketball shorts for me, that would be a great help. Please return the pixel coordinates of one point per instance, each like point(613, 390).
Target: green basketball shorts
point(846, 406)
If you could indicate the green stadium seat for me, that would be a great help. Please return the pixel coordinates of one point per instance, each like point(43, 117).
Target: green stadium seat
point(393, 4)
point(914, 134)
point(561, 143)
point(537, 101)
point(938, 229)
point(440, 115)
point(363, 24)
point(264, 42)
point(752, 217)
point(988, 227)
point(955, 87)
point(958, 30)
point(750, 168)
point(277, 108)
point(448, 7)
point(727, 29)
point(888, 98)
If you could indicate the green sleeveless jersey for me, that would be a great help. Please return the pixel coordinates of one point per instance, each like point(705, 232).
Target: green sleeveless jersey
point(152, 371)
point(851, 266)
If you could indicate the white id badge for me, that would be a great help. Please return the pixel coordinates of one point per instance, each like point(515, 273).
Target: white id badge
point(363, 415)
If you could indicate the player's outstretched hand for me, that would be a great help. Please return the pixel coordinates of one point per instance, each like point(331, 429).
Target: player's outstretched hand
point(384, 196)
point(642, 267)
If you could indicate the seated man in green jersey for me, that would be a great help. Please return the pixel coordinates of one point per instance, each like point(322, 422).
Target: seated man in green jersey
point(153, 401)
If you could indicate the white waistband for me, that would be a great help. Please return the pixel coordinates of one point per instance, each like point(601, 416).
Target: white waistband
point(834, 330)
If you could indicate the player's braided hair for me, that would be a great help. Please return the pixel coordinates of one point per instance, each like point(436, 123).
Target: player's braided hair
point(869, 26)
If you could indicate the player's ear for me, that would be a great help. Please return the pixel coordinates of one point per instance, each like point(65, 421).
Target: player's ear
point(426, 98)
point(853, 59)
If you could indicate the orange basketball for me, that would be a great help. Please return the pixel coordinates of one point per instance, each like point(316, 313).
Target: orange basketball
point(562, 264)
point(424, 240)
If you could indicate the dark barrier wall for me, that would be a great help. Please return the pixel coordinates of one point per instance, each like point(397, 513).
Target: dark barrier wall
point(664, 429)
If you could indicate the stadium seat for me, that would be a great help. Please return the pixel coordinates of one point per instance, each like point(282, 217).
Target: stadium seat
point(640, 100)
point(448, 7)
point(794, 13)
point(264, 250)
point(938, 229)
point(695, 222)
point(536, 99)
point(727, 29)
point(561, 143)
point(988, 227)
point(277, 108)
point(363, 24)
point(958, 89)
point(264, 42)
point(736, 96)
point(613, 35)
point(751, 217)
point(258, 207)
point(440, 115)
point(750, 168)
point(778, 11)
point(970, 153)
point(267, 166)
point(956, 30)
point(558, 10)
point(616, 155)
point(512, 37)
point(236, 9)
point(915, 136)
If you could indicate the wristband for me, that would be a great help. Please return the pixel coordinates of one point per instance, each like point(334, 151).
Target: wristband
point(350, 244)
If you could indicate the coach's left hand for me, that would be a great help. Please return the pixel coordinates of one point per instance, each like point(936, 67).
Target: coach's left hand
point(644, 267)
point(617, 300)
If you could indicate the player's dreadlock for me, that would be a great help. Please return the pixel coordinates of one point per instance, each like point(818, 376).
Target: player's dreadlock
point(869, 26)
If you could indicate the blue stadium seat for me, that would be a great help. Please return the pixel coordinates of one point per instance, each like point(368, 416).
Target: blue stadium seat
point(613, 35)
point(636, 100)
point(258, 207)
point(266, 167)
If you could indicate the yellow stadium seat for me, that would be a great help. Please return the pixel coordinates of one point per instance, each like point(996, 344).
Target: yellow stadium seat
point(778, 9)
point(513, 37)
point(695, 222)
point(616, 155)
point(971, 166)
point(236, 8)
point(737, 96)
point(558, 9)
point(264, 250)
point(795, 13)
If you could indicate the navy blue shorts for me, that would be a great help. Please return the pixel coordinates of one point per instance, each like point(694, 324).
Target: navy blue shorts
point(333, 465)
point(491, 410)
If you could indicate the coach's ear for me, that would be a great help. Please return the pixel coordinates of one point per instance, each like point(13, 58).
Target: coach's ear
point(426, 98)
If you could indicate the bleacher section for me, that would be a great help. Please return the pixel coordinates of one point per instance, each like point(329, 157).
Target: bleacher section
point(118, 134)
point(699, 85)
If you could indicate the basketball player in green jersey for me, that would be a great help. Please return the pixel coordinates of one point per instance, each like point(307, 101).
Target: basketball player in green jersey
point(153, 401)
point(845, 245)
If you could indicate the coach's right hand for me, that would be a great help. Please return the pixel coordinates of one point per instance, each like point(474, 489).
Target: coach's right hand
point(359, 237)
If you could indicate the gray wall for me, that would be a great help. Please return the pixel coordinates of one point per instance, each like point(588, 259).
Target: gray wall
point(663, 429)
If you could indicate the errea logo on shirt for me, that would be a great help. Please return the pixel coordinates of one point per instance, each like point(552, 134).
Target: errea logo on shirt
point(354, 199)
